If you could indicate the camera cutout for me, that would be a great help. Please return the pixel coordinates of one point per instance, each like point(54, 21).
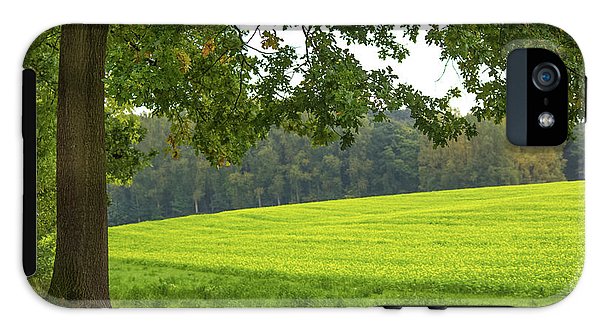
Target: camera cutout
point(546, 76)
point(536, 98)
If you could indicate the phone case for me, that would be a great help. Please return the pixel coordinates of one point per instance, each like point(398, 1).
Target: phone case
point(304, 166)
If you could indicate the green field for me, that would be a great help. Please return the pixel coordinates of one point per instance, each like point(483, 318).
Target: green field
point(509, 246)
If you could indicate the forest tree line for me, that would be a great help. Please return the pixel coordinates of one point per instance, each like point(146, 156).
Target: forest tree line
point(387, 158)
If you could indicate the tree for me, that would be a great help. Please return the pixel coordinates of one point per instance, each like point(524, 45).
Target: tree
point(540, 164)
point(202, 167)
point(479, 52)
point(277, 187)
point(397, 151)
point(300, 176)
point(487, 160)
point(122, 134)
point(330, 177)
point(259, 191)
point(360, 166)
point(239, 189)
point(81, 264)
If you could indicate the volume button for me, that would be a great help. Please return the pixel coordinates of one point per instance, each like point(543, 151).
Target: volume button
point(585, 96)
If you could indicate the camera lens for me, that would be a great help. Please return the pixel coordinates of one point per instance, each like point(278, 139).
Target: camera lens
point(546, 76)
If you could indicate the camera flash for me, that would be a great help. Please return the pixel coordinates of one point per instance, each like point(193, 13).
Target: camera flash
point(546, 120)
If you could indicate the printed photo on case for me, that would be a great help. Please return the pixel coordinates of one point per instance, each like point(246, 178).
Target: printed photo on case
point(297, 166)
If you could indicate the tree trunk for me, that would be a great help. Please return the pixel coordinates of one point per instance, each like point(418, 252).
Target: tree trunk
point(80, 277)
point(196, 205)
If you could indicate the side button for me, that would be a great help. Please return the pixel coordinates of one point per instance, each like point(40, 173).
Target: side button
point(585, 96)
point(29, 174)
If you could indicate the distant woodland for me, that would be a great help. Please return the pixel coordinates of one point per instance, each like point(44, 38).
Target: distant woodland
point(388, 158)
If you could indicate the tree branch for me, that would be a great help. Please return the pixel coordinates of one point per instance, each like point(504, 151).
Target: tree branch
point(444, 71)
point(245, 44)
point(253, 34)
point(241, 84)
point(215, 62)
point(306, 31)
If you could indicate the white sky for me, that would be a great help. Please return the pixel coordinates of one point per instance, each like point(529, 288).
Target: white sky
point(423, 68)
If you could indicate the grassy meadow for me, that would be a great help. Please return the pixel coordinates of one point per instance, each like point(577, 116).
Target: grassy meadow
point(508, 246)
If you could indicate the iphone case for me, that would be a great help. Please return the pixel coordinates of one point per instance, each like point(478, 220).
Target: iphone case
point(308, 166)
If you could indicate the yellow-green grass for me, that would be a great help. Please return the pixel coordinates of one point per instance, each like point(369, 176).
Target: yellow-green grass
point(507, 246)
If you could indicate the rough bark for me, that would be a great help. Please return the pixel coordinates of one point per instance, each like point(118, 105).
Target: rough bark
point(80, 277)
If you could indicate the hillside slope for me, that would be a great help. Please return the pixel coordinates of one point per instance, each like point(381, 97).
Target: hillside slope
point(512, 245)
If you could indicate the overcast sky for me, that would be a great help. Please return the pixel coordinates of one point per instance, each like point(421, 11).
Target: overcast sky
point(423, 68)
